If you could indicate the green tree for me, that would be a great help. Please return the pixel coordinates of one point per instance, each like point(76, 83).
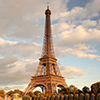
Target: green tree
point(85, 89)
point(95, 88)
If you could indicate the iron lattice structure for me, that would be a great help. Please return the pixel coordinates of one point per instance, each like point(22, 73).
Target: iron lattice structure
point(47, 73)
point(48, 49)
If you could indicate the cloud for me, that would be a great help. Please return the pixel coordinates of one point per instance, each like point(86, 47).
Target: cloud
point(25, 19)
point(27, 23)
point(5, 42)
point(19, 18)
point(61, 27)
point(71, 15)
point(79, 35)
point(98, 24)
point(18, 62)
point(92, 69)
point(18, 72)
point(9, 60)
point(91, 10)
point(78, 41)
point(78, 51)
point(71, 72)
point(89, 23)
point(19, 49)
point(98, 59)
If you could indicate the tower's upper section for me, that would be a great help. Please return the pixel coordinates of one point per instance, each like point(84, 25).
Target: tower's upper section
point(48, 63)
point(48, 50)
point(48, 11)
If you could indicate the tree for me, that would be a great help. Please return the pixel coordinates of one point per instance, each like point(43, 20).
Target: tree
point(18, 91)
point(2, 93)
point(37, 92)
point(95, 88)
point(79, 91)
point(85, 89)
point(68, 90)
point(62, 91)
point(74, 89)
point(71, 89)
point(10, 93)
point(30, 94)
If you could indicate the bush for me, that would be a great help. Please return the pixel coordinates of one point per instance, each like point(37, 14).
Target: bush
point(26, 98)
point(95, 88)
point(37, 93)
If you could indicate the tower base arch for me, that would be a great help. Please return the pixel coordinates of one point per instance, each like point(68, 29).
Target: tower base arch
point(49, 82)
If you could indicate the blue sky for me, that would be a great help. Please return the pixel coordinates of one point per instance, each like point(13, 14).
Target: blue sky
point(76, 37)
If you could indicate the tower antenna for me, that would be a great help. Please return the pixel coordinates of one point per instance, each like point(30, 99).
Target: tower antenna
point(47, 5)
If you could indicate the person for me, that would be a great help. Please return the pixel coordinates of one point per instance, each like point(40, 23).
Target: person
point(12, 98)
point(5, 97)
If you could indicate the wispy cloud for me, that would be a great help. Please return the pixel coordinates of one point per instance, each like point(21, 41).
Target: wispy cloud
point(92, 69)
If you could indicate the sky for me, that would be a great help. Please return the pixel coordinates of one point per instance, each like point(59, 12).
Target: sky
point(76, 39)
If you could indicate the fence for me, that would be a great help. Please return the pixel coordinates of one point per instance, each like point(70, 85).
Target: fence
point(66, 97)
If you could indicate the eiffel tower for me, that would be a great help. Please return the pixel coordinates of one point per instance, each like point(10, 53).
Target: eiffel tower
point(47, 74)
